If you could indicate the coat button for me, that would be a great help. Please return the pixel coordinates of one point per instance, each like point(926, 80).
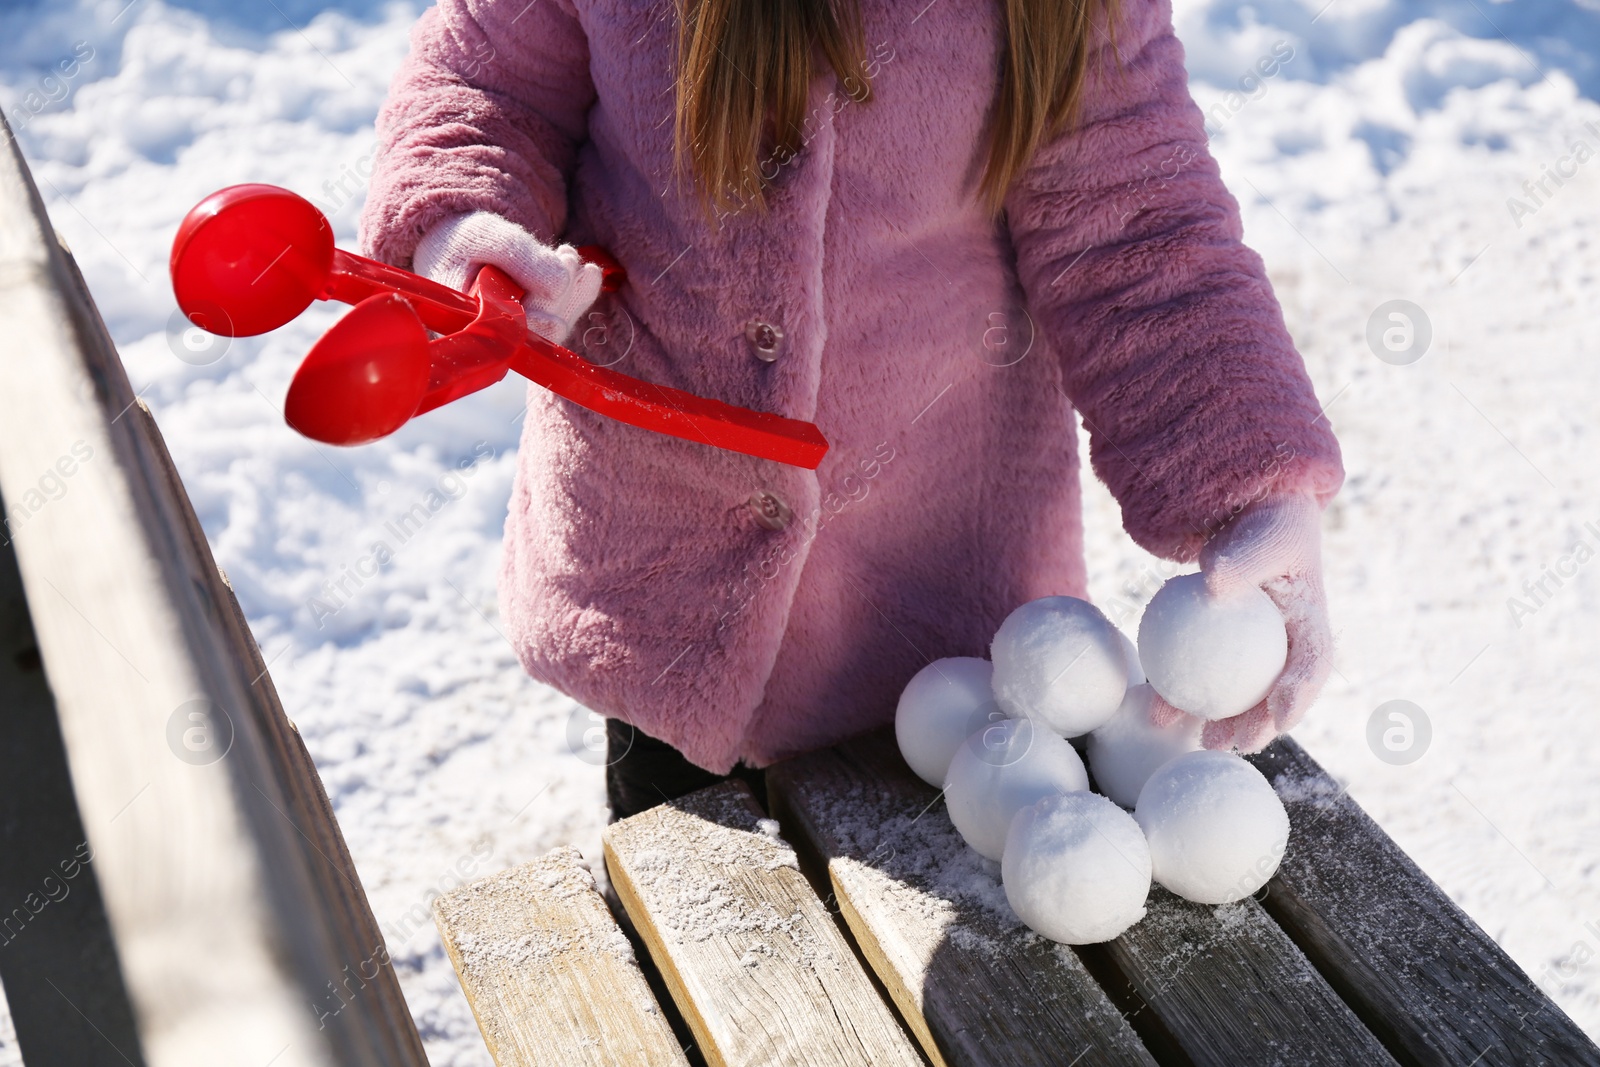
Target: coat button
point(770, 510)
point(764, 337)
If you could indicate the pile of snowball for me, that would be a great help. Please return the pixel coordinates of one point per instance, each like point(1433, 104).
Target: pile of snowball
point(993, 734)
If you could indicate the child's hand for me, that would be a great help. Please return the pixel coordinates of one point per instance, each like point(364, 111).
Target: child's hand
point(559, 286)
point(1275, 544)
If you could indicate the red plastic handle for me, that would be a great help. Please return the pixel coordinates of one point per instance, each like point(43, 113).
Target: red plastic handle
point(251, 258)
point(660, 408)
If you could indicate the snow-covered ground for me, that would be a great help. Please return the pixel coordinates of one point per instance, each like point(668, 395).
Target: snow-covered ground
point(1383, 158)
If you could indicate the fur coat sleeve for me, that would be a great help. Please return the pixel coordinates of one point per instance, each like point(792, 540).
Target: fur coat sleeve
point(485, 114)
point(1174, 349)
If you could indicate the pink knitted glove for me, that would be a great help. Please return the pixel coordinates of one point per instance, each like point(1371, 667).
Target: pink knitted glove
point(558, 286)
point(1275, 544)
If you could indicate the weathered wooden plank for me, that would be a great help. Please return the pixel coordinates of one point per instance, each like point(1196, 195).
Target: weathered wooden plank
point(1232, 990)
point(754, 961)
point(384, 1026)
point(551, 978)
point(975, 986)
point(214, 872)
point(57, 957)
point(1423, 975)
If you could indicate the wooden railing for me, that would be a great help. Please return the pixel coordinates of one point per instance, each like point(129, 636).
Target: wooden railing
point(188, 897)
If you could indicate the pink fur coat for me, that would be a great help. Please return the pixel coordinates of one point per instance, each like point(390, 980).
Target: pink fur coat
point(740, 609)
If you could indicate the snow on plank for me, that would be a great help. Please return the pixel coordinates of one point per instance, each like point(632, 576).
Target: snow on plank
point(1421, 973)
point(550, 977)
point(753, 959)
point(974, 984)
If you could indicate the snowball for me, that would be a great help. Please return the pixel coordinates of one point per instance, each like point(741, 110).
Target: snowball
point(1130, 652)
point(1057, 659)
point(1216, 828)
point(1211, 656)
point(945, 703)
point(1126, 751)
point(1076, 868)
point(1002, 769)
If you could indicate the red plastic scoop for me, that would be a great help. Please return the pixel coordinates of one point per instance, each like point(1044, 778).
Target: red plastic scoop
point(257, 253)
point(250, 258)
point(378, 353)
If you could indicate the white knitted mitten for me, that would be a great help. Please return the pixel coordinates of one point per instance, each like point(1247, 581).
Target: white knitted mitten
point(558, 286)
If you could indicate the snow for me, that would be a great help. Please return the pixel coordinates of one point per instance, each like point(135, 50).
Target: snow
point(1076, 868)
point(1058, 660)
point(516, 938)
point(1125, 752)
point(943, 705)
point(1384, 159)
point(1216, 829)
point(1211, 656)
point(1001, 770)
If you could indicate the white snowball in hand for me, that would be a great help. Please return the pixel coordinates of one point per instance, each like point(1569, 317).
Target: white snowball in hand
point(1059, 660)
point(1076, 868)
point(945, 703)
point(1216, 828)
point(1126, 751)
point(1002, 769)
point(1211, 656)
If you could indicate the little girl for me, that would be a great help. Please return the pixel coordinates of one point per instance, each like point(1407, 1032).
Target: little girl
point(935, 229)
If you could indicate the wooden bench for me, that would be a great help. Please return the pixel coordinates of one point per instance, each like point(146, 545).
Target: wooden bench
point(854, 926)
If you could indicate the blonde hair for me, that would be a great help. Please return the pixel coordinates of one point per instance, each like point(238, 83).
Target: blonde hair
point(744, 67)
